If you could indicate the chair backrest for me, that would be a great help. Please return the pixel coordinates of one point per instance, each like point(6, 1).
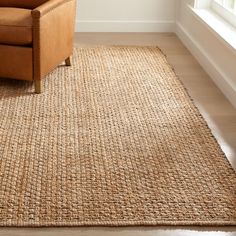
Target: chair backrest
point(28, 4)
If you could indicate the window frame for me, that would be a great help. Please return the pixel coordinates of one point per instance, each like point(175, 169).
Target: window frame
point(220, 27)
point(227, 14)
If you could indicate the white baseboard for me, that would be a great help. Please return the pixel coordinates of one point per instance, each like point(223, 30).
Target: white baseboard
point(218, 76)
point(125, 26)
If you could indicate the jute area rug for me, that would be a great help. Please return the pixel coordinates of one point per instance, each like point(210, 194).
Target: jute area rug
point(114, 140)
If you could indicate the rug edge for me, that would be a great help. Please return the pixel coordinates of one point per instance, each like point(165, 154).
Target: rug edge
point(119, 223)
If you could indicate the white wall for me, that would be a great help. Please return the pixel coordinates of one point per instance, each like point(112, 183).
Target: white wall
point(218, 60)
point(125, 15)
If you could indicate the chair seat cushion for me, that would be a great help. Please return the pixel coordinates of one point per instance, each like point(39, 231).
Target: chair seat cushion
point(15, 26)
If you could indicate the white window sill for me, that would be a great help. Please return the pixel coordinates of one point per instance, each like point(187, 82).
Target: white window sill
point(224, 31)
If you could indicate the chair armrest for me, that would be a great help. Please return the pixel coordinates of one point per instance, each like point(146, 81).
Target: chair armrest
point(53, 33)
point(47, 7)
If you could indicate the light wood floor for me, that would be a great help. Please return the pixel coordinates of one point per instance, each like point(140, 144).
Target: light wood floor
point(218, 112)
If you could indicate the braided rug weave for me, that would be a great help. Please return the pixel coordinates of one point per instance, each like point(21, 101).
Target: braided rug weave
point(113, 140)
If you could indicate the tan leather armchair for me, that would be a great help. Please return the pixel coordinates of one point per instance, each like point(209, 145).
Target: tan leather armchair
point(35, 37)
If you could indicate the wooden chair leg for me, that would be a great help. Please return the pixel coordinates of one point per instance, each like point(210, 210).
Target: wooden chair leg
point(38, 86)
point(68, 61)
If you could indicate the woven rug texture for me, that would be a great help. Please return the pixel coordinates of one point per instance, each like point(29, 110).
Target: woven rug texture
point(114, 140)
